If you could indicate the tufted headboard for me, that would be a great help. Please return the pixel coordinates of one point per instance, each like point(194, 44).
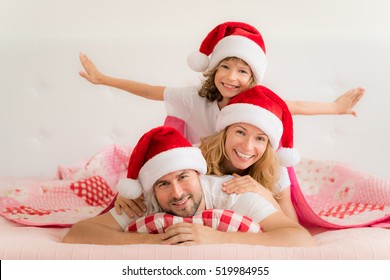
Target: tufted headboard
point(51, 116)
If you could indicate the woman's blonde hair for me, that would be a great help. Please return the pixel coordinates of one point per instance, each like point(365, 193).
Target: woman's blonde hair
point(208, 88)
point(265, 170)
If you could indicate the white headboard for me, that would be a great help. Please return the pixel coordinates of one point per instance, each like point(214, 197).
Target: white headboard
point(316, 50)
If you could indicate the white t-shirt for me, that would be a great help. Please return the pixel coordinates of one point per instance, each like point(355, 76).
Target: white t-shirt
point(199, 114)
point(249, 204)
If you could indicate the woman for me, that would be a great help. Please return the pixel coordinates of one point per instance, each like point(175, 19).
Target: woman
point(244, 151)
point(251, 128)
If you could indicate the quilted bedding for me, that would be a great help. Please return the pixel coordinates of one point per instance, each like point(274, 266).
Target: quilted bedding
point(36, 212)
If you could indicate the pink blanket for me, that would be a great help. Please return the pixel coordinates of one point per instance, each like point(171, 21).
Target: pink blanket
point(81, 191)
point(334, 195)
point(328, 194)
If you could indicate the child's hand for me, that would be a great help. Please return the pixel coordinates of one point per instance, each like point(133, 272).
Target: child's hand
point(92, 74)
point(346, 102)
point(130, 206)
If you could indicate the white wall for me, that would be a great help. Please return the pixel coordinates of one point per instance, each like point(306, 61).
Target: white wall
point(316, 50)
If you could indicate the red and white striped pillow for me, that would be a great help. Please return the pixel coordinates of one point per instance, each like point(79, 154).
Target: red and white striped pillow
point(222, 220)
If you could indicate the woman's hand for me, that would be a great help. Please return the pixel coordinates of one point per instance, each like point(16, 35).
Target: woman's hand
point(242, 184)
point(130, 206)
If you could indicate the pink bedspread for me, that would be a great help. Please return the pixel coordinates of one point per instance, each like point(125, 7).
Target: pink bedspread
point(329, 195)
point(333, 195)
point(83, 190)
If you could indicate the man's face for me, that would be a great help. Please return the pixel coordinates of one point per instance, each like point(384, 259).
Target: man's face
point(180, 193)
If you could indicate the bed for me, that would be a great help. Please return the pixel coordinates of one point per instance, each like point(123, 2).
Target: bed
point(42, 243)
point(51, 118)
point(32, 243)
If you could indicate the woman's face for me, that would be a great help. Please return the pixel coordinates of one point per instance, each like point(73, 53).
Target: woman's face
point(245, 144)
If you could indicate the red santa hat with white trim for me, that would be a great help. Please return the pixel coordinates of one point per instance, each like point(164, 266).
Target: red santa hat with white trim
point(231, 39)
point(159, 152)
point(261, 107)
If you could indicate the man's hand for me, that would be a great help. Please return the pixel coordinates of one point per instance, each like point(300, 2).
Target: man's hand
point(191, 234)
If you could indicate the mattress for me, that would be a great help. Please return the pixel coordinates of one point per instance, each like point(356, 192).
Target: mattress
point(19, 242)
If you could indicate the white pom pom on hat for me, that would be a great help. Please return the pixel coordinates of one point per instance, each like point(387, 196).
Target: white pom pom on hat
point(160, 151)
point(288, 156)
point(231, 39)
point(198, 61)
point(129, 188)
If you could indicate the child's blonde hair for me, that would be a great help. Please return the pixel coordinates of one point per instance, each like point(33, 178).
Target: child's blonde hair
point(208, 88)
point(265, 170)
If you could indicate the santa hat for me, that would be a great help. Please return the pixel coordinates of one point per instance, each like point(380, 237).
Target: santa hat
point(160, 151)
point(261, 107)
point(231, 39)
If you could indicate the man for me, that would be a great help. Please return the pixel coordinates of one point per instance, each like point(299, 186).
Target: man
point(169, 171)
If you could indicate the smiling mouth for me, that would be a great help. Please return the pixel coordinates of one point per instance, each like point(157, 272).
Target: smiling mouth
point(181, 201)
point(242, 155)
point(230, 86)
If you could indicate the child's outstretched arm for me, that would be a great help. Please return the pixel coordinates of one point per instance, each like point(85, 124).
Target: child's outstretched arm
point(93, 75)
point(342, 105)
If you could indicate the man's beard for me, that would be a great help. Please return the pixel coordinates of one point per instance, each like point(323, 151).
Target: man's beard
point(186, 212)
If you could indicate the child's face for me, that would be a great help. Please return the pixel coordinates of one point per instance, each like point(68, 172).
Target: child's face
point(245, 144)
point(232, 77)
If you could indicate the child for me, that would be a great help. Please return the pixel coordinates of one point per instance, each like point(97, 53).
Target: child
point(237, 62)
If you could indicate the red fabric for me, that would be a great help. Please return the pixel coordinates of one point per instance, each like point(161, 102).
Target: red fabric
point(177, 123)
point(152, 143)
point(93, 190)
point(230, 29)
point(222, 220)
point(268, 100)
